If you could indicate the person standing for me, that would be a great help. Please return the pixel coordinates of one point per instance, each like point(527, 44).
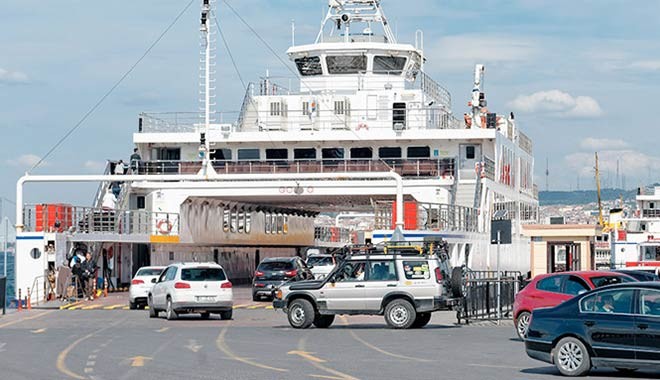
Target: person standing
point(119, 167)
point(89, 277)
point(135, 160)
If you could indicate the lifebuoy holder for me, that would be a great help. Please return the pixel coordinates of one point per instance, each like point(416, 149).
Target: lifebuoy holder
point(164, 226)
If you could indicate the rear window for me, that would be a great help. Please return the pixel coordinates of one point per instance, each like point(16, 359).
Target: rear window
point(149, 272)
point(276, 266)
point(416, 270)
point(550, 284)
point(203, 274)
point(319, 261)
point(609, 280)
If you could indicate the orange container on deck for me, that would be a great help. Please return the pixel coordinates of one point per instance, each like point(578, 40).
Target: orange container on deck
point(48, 214)
point(409, 215)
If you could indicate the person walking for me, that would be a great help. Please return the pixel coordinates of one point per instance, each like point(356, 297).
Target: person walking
point(135, 161)
point(119, 167)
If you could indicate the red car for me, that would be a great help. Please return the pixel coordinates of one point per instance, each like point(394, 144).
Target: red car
point(548, 290)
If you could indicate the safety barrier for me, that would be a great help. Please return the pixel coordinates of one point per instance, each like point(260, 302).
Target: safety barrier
point(481, 296)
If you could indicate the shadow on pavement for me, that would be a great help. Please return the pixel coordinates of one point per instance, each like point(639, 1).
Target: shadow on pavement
point(607, 373)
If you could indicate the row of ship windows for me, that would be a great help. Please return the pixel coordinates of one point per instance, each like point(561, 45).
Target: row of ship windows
point(350, 64)
point(341, 107)
point(254, 154)
point(239, 221)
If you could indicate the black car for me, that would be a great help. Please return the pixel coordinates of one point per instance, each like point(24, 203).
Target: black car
point(273, 272)
point(615, 326)
point(640, 274)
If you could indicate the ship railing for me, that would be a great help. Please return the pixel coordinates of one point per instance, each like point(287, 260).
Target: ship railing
point(524, 142)
point(423, 168)
point(332, 234)
point(94, 220)
point(183, 122)
point(488, 169)
point(431, 217)
point(433, 90)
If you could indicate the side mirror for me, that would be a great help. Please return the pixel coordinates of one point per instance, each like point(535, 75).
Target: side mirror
point(154, 280)
point(310, 266)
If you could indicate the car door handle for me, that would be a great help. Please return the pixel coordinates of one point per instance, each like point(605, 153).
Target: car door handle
point(359, 286)
point(589, 323)
point(391, 285)
point(643, 326)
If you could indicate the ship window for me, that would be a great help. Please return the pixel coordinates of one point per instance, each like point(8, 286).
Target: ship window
point(339, 107)
point(221, 155)
point(248, 154)
point(305, 109)
point(419, 152)
point(277, 154)
point(332, 153)
point(346, 64)
point(304, 154)
point(469, 152)
point(308, 66)
point(389, 65)
point(357, 153)
point(275, 109)
point(389, 152)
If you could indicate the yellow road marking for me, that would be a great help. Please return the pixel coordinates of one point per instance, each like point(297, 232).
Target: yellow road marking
point(138, 361)
point(270, 307)
point(125, 308)
point(306, 355)
point(163, 329)
point(252, 307)
point(25, 319)
point(67, 306)
point(222, 346)
point(38, 331)
point(61, 358)
point(91, 307)
point(340, 375)
point(240, 306)
point(112, 307)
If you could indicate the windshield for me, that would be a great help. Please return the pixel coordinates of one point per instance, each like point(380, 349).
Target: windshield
point(609, 280)
point(275, 266)
point(309, 66)
point(389, 65)
point(318, 261)
point(149, 272)
point(203, 274)
point(342, 64)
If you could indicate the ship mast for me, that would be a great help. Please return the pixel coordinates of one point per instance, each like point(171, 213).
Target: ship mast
point(207, 84)
point(344, 12)
point(600, 204)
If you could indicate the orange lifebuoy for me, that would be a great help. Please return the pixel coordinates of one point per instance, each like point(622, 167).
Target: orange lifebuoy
point(164, 226)
point(363, 126)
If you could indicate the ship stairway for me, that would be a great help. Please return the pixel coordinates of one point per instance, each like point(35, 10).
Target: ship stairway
point(466, 193)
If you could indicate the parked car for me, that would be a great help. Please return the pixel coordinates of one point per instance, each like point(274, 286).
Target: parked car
point(141, 285)
point(273, 272)
point(321, 264)
point(191, 288)
point(549, 290)
point(641, 273)
point(616, 326)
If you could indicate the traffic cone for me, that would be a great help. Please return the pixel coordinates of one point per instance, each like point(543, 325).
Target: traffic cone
point(105, 287)
point(20, 301)
point(94, 291)
point(28, 300)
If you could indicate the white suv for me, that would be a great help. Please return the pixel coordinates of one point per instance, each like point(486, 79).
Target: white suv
point(141, 285)
point(192, 288)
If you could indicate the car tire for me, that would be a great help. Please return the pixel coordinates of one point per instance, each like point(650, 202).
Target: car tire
point(324, 321)
point(301, 314)
point(256, 298)
point(226, 315)
point(153, 313)
point(132, 305)
point(522, 324)
point(572, 357)
point(457, 282)
point(169, 312)
point(422, 320)
point(206, 315)
point(400, 314)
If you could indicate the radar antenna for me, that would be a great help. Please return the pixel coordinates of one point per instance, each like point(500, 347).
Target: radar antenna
point(342, 13)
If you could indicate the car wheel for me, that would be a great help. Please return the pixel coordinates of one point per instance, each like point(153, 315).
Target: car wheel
point(457, 282)
point(422, 320)
point(226, 315)
point(132, 305)
point(169, 312)
point(522, 324)
point(301, 314)
point(400, 314)
point(153, 313)
point(256, 298)
point(206, 315)
point(572, 357)
point(324, 321)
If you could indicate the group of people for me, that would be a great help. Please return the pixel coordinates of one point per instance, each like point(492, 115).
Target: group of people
point(111, 196)
point(76, 279)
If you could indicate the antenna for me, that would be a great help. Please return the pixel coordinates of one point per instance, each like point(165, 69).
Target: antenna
point(547, 174)
point(207, 82)
point(616, 185)
point(293, 32)
point(578, 182)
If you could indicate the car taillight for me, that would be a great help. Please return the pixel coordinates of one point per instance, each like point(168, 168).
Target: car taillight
point(226, 285)
point(137, 282)
point(291, 273)
point(258, 274)
point(258, 285)
point(181, 285)
point(438, 275)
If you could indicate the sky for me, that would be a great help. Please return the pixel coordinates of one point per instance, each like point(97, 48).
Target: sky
point(580, 76)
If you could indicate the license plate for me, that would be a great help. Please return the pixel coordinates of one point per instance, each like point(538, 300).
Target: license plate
point(205, 299)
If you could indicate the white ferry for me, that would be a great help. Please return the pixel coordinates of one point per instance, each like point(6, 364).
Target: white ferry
point(367, 130)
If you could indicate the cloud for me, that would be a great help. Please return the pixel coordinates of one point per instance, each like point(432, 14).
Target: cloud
point(12, 77)
point(460, 51)
point(632, 164)
point(558, 103)
point(648, 65)
point(94, 166)
point(26, 160)
point(595, 144)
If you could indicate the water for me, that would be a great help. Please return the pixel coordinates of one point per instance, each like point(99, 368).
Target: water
point(10, 274)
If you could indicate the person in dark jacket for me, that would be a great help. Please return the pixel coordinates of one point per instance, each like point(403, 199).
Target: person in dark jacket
point(89, 276)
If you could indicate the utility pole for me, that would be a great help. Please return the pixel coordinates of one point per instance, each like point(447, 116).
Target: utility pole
point(547, 174)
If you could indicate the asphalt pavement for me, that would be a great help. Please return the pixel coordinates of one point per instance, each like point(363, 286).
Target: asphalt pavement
point(118, 344)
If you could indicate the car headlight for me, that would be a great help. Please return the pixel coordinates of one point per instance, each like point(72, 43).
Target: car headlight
point(278, 294)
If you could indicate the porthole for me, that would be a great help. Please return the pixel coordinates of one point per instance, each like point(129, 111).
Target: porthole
point(35, 253)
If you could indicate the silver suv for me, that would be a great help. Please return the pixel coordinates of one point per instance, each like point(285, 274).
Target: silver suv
point(402, 281)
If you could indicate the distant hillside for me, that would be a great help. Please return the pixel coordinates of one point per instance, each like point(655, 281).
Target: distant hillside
point(548, 198)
